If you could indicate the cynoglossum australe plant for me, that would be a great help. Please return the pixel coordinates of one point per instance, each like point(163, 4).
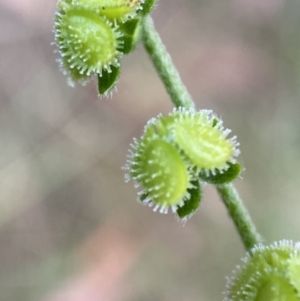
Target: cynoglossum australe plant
point(178, 153)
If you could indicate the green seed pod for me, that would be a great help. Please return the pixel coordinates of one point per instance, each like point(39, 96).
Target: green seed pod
point(87, 43)
point(119, 10)
point(157, 166)
point(270, 273)
point(201, 136)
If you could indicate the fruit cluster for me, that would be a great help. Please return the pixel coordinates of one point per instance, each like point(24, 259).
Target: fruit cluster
point(177, 154)
point(93, 35)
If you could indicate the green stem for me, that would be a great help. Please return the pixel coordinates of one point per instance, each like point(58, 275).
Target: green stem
point(239, 215)
point(181, 98)
point(165, 67)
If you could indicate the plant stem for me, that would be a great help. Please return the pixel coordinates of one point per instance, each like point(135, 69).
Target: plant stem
point(239, 215)
point(164, 66)
point(181, 98)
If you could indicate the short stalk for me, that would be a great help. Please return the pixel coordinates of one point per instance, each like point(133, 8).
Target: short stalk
point(239, 215)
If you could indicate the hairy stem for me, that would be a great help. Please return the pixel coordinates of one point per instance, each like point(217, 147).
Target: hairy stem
point(164, 66)
point(239, 215)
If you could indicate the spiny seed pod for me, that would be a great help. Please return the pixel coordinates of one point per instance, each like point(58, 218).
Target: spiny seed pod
point(270, 273)
point(201, 136)
point(119, 10)
point(166, 165)
point(87, 43)
point(157, 166)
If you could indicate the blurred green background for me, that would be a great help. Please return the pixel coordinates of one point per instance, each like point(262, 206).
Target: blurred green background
point(70, 228)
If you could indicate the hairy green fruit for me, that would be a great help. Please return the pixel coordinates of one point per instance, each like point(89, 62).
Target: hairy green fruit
point(201, 138)
point(87, 44)
point(157, 166)
point(269, 273)
point(92, 36)
point(120, 10)
point(204, 142)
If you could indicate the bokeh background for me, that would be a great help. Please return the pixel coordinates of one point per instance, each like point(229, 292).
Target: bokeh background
point(70, 228)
